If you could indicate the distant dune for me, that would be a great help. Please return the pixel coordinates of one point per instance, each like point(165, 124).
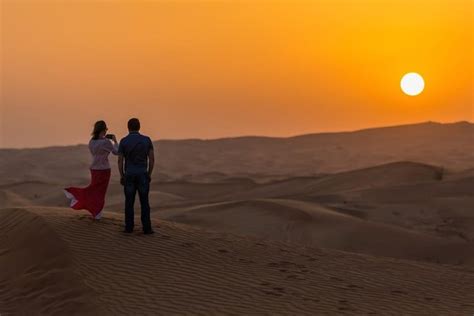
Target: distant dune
point(56, 261)
point(450, 146)
point(398, 173)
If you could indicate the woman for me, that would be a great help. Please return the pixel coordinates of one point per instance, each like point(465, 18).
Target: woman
point(92, 198)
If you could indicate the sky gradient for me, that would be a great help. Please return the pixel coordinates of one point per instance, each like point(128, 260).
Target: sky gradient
point(208, 69)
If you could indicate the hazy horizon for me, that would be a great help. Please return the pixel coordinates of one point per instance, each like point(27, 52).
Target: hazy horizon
point(87, 138)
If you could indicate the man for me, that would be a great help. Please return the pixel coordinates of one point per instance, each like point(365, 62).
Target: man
point(136, 162)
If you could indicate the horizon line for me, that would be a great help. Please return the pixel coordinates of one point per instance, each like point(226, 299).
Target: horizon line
point(261, 136)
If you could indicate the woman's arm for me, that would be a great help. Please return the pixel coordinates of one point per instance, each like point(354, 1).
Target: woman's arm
point(112, 148)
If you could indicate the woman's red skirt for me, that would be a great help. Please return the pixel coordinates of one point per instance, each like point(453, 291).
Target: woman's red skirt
point(91, 198)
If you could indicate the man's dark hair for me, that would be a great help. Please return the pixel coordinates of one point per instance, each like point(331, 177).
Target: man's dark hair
point(134, 125)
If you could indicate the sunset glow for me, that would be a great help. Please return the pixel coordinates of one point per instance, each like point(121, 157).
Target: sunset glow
point(218, 68)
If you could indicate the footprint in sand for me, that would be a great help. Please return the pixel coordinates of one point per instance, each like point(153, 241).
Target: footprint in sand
point(346, 309)
point(189, 244)
point(398, 292)
point(246, 260)
point(272, 293)
point(431, 299)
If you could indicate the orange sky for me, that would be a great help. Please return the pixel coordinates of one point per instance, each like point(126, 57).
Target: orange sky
point(225, 68)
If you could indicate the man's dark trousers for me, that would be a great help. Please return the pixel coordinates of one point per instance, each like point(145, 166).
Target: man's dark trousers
point(134, 183)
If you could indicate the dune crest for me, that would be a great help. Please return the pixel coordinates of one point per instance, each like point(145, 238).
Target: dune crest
point(37, 269)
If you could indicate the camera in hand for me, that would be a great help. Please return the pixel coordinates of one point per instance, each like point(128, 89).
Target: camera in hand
point(110, 136)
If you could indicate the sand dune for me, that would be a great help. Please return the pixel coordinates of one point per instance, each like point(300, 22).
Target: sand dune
point(84, 267)
point(37, 274)
point(314, 224)
point(450, 145)
point(11, 199)
point(387, 175)
point(304, 223)
point(442, 208)
point(412, 192)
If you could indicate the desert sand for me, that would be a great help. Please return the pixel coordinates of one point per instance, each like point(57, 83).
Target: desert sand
point(71, 265)
point(377, 221)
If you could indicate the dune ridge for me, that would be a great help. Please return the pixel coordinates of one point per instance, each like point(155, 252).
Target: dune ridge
point(37, 273)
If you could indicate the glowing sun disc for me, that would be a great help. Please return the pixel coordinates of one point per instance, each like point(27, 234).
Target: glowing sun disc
point(412, 84)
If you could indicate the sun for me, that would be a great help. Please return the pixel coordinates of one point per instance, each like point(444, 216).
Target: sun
point(412, 84)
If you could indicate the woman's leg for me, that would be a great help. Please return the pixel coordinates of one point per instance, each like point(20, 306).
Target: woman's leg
point(97, 192)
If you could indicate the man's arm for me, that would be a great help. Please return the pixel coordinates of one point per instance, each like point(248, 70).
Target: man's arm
point(120, 166)
point(151, 162)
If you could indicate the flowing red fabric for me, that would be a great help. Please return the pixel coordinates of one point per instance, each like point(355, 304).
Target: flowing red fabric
point(91, 198)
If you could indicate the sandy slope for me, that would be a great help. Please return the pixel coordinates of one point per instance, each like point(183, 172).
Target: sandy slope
point(37, 272)
point(304, 223)
point(91, 268)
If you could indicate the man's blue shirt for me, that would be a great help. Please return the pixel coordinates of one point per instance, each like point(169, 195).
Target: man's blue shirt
point(135, 148)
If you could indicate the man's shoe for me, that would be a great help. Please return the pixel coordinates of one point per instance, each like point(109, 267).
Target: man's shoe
point(128, 231)
point(148, 232)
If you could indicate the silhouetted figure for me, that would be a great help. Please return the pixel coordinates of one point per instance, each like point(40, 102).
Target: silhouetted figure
point(136, 162)
point(92, 198)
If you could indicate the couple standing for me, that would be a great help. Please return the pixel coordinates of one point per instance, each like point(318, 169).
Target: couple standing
point(136, 161)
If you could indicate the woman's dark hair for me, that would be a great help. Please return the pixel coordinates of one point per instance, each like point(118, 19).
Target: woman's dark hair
point(99, 127)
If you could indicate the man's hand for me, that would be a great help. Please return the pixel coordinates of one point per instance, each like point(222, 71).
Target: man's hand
point(149, 178)
point(122, 181)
